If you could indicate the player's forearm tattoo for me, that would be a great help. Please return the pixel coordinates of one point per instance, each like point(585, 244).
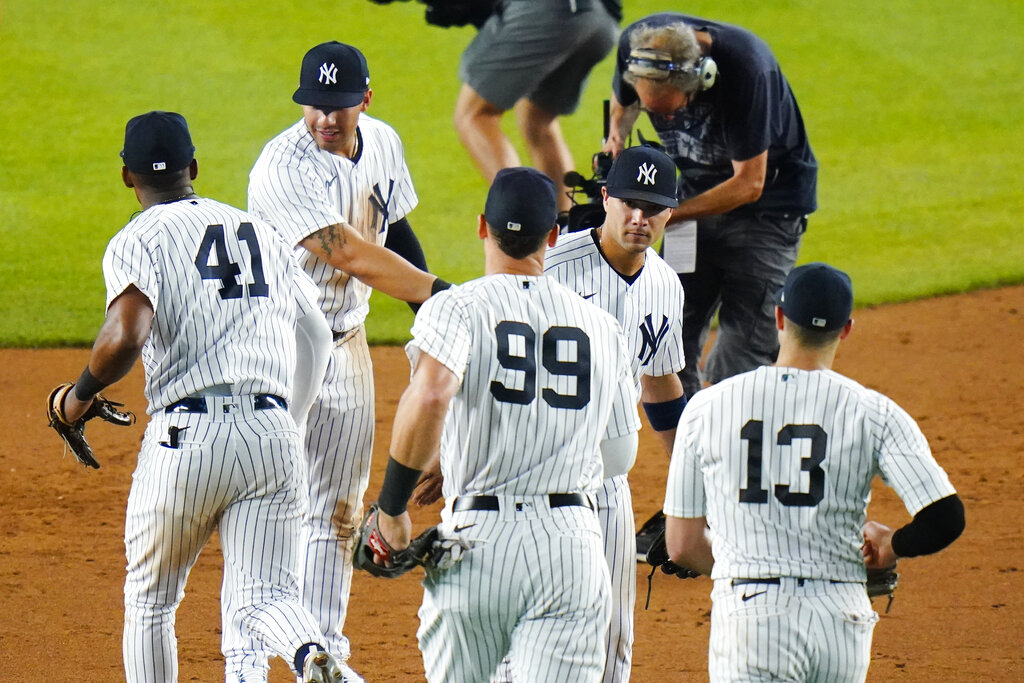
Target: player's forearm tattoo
point(332, 237)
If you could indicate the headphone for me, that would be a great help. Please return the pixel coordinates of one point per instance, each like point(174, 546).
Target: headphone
point(657, 65)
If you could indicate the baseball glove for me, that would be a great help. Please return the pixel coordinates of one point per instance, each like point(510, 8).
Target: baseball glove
point(423, 551)
point(883, 582)
point(657, 557)
point(73, 433)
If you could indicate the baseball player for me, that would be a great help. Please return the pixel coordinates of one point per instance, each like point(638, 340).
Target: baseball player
point(779, 462)
point(334, 185)
point(208, 295)
point(614, 267)
point(527, 391)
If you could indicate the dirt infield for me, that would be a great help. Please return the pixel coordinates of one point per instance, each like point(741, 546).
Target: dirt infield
point(954, 363)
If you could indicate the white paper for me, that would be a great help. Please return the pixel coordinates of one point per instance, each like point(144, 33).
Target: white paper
point(679, 246)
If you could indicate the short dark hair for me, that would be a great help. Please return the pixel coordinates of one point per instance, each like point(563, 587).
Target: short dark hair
point(518, 245)
point(164, 181)
point(812, 338)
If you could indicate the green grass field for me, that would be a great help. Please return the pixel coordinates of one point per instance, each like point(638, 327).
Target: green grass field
point(915, 111)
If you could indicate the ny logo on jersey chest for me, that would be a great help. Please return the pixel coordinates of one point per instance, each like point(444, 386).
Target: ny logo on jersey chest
point(651, 338)
point(380, 204)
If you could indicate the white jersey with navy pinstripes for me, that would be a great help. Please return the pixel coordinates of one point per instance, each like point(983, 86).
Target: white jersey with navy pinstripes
point(780, 461)
point(222, 289)
point(299, 189)
point(544, 376)
point(650, 308)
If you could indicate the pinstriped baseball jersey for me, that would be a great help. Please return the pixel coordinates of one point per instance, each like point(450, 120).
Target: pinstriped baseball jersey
point(544, 378)
point(781, 462)
point(299, 189)
point(650, 308)
point(221, 284)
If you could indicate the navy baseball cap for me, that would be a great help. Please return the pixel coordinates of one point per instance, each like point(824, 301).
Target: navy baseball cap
point(333, 74)
point(156, 143)
point(817, 296)
point(643, 173)
point(521, 200)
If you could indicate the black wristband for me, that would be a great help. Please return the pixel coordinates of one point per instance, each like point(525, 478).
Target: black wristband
point(665, 415)
point(88, 386)
point(399, 482)
point(439, 286)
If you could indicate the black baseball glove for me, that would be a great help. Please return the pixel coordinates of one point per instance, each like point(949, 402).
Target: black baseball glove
point(657, 557)
point(73, 433)
point(423, 551)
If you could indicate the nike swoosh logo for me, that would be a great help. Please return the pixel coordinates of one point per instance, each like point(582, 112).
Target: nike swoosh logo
point(589, 296)
point(462, 528)
point(752, 595)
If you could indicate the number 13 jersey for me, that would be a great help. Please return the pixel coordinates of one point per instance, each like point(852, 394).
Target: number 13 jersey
point(223, 290)
point(544, 378)
point(780, 461)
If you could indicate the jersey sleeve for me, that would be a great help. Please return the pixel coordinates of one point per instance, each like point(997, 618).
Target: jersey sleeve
point(747, 115)
point(129, 261)
point(442, 331)
point(293, 198)
point(906, 461)
point(624, 418)
point(684, 492)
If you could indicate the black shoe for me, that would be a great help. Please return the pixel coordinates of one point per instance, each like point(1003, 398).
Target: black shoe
point(652, 528)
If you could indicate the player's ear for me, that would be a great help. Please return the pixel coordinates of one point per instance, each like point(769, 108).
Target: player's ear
point(845, 332)
point(553, 236)
point(779, 318)
point(366, 100)
point(193, 169)
point(481, 227)
point(126, 177)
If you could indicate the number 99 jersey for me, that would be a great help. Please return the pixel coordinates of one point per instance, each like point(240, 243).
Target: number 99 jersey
point(222, 289)
point(544, 378)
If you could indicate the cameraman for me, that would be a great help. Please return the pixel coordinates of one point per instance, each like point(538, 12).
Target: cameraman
point(531, 55)
point(748, 176)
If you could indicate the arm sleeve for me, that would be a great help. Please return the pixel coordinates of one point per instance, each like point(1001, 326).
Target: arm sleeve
point(312, 351)
point(684, 492)
point(403, 241)
point(128, 261)
point(442, 330)
point(933, 528)
point(293, 197)
point(624, 418)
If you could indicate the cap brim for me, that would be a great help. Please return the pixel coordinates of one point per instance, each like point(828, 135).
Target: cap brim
point(652, 197)
point(314, 98)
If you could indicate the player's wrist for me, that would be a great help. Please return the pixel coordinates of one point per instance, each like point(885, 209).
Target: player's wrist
point(88, 386)
point(399, 483)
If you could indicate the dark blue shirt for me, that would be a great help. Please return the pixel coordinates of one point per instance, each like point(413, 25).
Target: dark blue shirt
point(748, 110)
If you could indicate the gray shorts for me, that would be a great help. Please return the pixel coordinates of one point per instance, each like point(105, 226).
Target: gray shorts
point(538, 49)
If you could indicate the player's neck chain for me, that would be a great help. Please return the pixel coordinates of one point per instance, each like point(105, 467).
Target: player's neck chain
point(190, 195)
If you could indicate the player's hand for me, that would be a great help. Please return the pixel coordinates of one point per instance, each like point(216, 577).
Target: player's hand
point(613, 144)
point(877, 548)
point(428, 490)
point(397, 532)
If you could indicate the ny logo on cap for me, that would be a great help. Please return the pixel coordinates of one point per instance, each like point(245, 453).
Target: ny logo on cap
point(646, 174)
point(328, 74)
point(512, 225)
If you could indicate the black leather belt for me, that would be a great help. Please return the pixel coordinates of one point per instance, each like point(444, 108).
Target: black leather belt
point(555, 500)
point(197, 404)
point(775, 581)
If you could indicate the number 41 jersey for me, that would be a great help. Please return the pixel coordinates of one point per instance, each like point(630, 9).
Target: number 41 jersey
point(222, 287)
point(544, 378)
point(780, 461)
